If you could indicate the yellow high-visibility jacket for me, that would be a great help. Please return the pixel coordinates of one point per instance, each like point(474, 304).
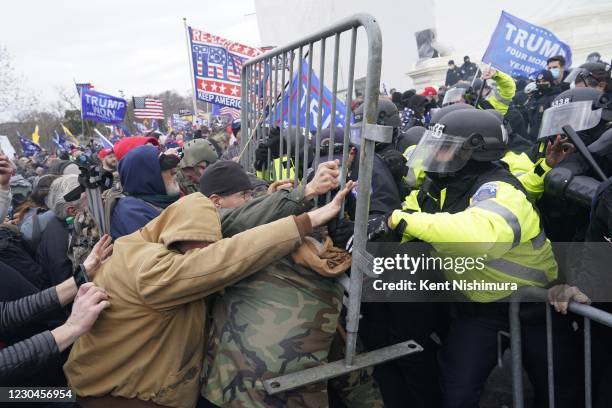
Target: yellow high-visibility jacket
point(500, 223)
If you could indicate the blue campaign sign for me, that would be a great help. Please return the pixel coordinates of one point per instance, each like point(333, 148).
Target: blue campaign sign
point(313, 104)
point(101, 107)
point(520, 48)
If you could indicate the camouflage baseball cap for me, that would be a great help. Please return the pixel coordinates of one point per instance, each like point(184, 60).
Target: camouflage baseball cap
point(196, 151)
point(221, 138)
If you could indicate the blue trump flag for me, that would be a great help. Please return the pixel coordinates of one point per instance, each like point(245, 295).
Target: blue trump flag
point(520, 48)
point(101, 107)
point(313, 104)
point(29, 147)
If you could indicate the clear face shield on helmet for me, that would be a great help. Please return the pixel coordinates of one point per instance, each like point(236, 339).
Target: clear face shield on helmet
point(441, 152)
point(454, 95)
point(578, 115)
point(574, 73)
point(355, 133)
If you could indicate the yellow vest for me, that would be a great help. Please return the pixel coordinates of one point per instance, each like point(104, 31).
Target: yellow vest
point(278, 172)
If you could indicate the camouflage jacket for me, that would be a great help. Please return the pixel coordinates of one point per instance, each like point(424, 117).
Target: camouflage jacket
point(83, 237)
point(280, 320)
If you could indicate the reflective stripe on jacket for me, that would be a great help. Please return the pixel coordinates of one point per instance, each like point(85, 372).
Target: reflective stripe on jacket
point(506, 228)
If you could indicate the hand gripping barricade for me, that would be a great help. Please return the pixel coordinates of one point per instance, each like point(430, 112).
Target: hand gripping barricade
point(266, 104)
point(588, 313)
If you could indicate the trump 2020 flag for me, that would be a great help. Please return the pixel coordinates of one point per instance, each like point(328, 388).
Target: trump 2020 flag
point(101, 107)
point(217, 63)
point(520, 48)
point(313, 104)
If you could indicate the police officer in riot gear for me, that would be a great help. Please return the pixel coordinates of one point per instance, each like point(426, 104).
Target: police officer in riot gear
point(589, 113)
point(468, 198)
point(389, 163)
point(592, 75)
point(541, 100)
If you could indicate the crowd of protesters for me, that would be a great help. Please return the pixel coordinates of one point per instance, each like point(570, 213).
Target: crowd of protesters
point(211, 279)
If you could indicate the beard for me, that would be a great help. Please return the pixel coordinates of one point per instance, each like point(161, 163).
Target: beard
point(172, 187)
point(110, 165)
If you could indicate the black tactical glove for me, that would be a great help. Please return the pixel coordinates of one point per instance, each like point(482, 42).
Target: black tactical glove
point(340, 231)
point(377, 228)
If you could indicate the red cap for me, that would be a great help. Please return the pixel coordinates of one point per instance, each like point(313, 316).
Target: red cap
point(128, 143)
point(104, 152)
point(429, 91)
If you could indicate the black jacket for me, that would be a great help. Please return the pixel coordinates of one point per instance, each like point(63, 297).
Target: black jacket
point(52, 252)
point(14, 254)
point(453, 76)
point(385, 195)
point(468, 70)
point(26, 355)
point(536, 107)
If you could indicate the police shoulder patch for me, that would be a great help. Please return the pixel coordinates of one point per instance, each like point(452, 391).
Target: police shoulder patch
point(486, 191)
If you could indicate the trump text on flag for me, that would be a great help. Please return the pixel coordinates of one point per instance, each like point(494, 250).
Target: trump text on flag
point(521, 48)
point(101, 107)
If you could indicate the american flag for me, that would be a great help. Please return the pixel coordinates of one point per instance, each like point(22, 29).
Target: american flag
point(83, 86)
point(148, 108)
point(233, 112)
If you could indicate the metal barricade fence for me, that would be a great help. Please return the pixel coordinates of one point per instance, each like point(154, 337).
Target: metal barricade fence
point(265, 103)
point(588, 313)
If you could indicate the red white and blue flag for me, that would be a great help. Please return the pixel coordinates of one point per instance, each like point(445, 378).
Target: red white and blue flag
point(85, 86)
point(233, 112)
point(217, 63)
point(148, 108)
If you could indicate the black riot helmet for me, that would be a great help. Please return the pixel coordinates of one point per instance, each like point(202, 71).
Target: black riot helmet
point(435, 118)
point(591, 74)
point(387, 115)
point(581, 108)
point(458, 137)
point(410, 137)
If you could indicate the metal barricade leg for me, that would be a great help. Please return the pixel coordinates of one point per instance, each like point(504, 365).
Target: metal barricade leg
point(588, 397)
point(517, 355)
point(549, 358)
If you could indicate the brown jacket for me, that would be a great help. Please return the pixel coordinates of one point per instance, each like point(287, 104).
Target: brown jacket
point(149, 344)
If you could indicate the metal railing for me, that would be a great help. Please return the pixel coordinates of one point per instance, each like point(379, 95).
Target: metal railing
point(261, 98)
point(588, 313)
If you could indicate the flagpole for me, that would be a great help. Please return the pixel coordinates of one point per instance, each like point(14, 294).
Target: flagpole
point(81, 101)
point(191, 74)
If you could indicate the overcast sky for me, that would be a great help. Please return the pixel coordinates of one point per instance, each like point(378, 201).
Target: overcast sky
point(139, 46)
point(133, 45)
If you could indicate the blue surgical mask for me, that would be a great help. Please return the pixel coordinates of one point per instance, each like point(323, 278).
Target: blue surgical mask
point(556, 72)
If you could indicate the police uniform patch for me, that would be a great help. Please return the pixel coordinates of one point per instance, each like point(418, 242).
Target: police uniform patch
point(486, 191)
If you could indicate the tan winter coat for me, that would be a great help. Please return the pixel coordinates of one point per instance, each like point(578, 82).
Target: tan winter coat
point(149, 344)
